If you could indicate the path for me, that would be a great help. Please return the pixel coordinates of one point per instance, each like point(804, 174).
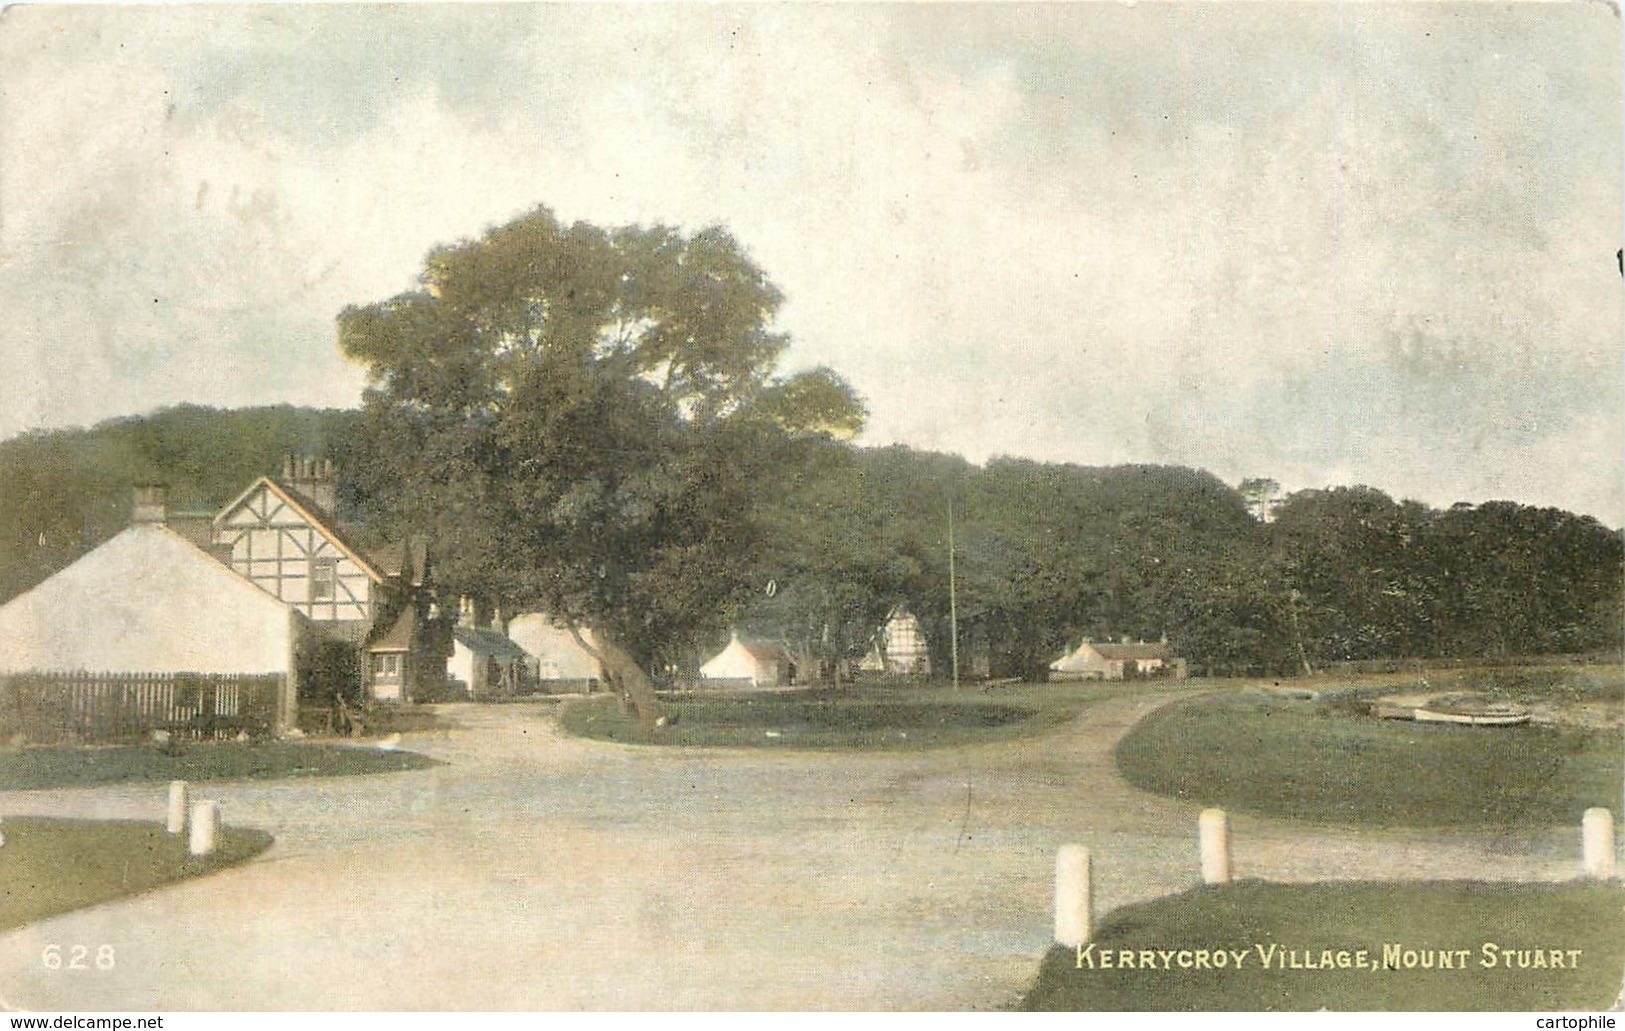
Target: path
point(542, 872)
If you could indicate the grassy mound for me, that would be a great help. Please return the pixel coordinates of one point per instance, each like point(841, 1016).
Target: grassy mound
point(30, 769)
point(1413, 946)
point(1323, 760)
point(55, 866)
point(860, 717)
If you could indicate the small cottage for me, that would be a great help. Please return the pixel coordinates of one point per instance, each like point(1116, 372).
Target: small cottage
point(556, 662)
point(485, 663)
point(148, 600)
point(391, 669)
point(1106, 661)
point(749, 664)
point(143, 611)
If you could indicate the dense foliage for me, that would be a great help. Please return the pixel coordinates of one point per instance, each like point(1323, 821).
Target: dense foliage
point(1046, 553)
point(1050, 553)
point(64, 492)
point(593, 422)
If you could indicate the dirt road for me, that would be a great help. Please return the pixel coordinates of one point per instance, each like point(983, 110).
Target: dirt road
point(541, 872)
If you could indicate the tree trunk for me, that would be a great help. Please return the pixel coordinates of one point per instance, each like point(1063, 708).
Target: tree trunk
point(626, 677)
point(1297, 634)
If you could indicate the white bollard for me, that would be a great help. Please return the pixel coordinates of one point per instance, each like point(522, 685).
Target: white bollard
point(1074, 896)
point(205, 822)
point(1597, 842)
point(1213, 831)
point(175, 822)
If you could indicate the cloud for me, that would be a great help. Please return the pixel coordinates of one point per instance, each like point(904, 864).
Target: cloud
point(1321, 243)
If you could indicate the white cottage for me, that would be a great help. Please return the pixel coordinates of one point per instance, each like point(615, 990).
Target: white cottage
point(149, 602)
point(1105, 661)
point(486, 663)
point(748, 664)
point(557, 663)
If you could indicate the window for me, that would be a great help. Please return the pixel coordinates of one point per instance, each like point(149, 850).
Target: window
point(323, 577)
point(387, 664)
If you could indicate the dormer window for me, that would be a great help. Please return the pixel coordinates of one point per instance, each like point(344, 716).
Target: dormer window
point(323, 577)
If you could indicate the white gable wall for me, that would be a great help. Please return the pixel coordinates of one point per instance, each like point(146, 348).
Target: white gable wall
point(556, 653)
point(1085, 663)
point(461, 664)
point(147, 601)
point(735, 662)
point(279, 548)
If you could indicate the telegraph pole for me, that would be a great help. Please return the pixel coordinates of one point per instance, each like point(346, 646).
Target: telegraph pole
point(953, 598)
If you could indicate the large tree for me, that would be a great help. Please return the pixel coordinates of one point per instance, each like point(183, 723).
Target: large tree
point(584, 420)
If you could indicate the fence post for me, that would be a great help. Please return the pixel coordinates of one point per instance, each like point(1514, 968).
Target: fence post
point(1597, 843)
point(205, 821)
point(1213, 832)
point(175, 821)
point(1074, 896)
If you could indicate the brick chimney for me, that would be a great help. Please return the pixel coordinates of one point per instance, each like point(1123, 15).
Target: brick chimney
point(151, 505)
point(314, 480)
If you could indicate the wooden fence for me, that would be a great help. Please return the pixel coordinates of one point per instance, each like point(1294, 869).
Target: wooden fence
point(107, 708)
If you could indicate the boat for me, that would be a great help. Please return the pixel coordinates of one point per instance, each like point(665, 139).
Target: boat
point(1489, 714)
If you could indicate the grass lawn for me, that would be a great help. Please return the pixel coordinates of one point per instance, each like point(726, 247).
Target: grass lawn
point(863, 716)
point(1426, 919)
point(54, 866)
point(28, 769)
point(1323, 760)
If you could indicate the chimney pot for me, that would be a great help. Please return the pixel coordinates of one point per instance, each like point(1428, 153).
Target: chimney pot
point(315, 480)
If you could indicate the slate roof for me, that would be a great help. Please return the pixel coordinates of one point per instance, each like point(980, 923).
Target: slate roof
point(1148, 650)
point(398, 638)
point(486, 642)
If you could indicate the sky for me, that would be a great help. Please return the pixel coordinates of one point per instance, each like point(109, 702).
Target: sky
point(1329, 244)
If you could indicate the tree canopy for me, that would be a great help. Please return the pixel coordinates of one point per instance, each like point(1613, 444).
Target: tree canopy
point(1047, 553)
point(584, 421)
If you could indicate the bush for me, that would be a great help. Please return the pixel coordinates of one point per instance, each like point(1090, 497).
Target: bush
point(329, 670)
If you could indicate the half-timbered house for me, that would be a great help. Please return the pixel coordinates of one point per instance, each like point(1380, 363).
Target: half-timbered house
point(281, 536)
point(899, 647)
